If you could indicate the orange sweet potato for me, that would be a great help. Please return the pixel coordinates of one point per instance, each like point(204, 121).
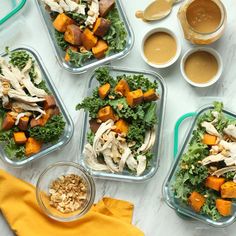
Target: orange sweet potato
point(122, 87)
point(224, 207)
point(73, 35)
point(150, 95)
point(134, 98)
point(196, 201)
point(32, 146)
point(101, 26)
point(49, 102)
point(19, 138)
point(100, 49)
point(67, 56)
point(34, 122)
point(88, 39)
point(8, 122)
point(209, 139)
point(122, 127)
point(104, 90)
point(61, 22)
point(105, 6)
point(106, 113)
point(228, 190)
point(214, 182)
point(23, 123)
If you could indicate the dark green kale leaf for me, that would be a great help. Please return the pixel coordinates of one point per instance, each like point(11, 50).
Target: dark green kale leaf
point(78, 18)
point(61, 41)
point(78, 58)
point(103, 76)
point(116, 36)
point(136, 133)
point(42, 85)
point(50, 132)
point(150, 117)
point(90, 137)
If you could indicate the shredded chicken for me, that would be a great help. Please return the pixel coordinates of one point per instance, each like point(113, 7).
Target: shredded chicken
point(230, 130)
point(222, 171)
point(93, 13)
point(213, 158)
point(27, 107)
point(142, 162)
point(210, 129)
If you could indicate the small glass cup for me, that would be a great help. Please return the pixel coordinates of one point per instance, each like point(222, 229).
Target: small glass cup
point(196, 37)
point(50, 174)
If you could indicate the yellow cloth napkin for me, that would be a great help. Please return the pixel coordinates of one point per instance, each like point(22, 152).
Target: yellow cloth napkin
point(110, 217)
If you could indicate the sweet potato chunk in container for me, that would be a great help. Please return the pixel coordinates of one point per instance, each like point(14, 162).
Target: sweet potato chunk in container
point(23, 123)
point(134, 98)
point(196, 201)
point(100, 49)
point(106, 113)
point(32, 147)
point(101, 26)
point(61, 22)
point(73, 35)
point(122, 87)
point(49, 102)
point(105, 6)
point(228, 190)
point(8, 122)
point(88, 39)
point(19, 138)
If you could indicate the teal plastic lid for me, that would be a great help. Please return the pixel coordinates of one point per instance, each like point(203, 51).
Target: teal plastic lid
point(9, 8)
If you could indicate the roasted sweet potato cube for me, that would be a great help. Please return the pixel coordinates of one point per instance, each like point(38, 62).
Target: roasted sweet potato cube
point(134, 98)
point(19, 138)
point(104, 90)
point(150, 95)
point(122, 87)
point(34, 122)
point(224, 207)
point(105, 6)
point(61, 22)
point(100, 49)
point(209, 139)
point(67, 56)
point(196, 201)
point(23, 123)
point(8, 122)
point(122, 127)
point(101, 26)
point(73, 35)
point(94, 125)
point(106, 113)
point(88, 39)
point(214, 182)
point(49, 102)
point(32, 146)
point(228, 190)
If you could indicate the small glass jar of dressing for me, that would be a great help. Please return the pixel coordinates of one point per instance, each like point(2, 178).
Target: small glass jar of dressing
point(203, 22)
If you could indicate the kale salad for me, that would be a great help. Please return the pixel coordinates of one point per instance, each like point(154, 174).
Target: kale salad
point(206, 175)
point(123, 122)
point(87, 29)
point(29, 115)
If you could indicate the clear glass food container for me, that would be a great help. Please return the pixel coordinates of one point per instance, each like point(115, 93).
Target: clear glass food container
point(157, 148)
point(169, 197)
point(193, 35)
point(69, 127)
point(93, 62)
point(50, 174)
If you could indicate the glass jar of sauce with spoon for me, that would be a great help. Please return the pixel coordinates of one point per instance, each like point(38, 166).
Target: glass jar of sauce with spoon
point(202, 21)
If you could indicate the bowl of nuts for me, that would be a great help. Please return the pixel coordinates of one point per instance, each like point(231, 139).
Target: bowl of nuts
point(65, 191)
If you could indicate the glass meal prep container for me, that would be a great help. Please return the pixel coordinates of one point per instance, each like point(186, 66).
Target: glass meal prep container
point(153, 164)
point(181, 208)
point(8, 9)
point(93, 62)
point(194, 35)
point(69, 127)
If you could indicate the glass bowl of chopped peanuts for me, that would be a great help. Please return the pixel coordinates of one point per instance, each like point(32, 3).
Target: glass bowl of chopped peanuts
point(65, 191)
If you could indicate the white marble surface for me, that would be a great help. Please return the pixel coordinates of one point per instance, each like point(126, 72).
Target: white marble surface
point(151, 214)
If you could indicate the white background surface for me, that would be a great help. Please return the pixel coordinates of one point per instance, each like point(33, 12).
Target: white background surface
point(151, 214)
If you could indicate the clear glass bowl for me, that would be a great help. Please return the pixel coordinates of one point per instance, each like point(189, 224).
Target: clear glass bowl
point(55, 171)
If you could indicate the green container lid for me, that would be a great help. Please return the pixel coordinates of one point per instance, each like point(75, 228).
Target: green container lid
point(9, 8)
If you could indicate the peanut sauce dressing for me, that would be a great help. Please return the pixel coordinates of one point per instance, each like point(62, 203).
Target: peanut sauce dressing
point(160, 47)
point(155, 10)
point(201, 67)
point(204, 16)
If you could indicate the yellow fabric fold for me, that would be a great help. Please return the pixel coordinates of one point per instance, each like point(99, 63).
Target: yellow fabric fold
point(109, 217)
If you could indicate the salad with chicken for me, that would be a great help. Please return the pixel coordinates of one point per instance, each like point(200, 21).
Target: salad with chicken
point(86, 29)
point(123, 122)
point(206, 178)
point(29, 115)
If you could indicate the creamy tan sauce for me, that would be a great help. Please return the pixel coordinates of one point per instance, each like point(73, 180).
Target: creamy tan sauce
point(201, 67)
point(160, 47)
point(204, 16)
